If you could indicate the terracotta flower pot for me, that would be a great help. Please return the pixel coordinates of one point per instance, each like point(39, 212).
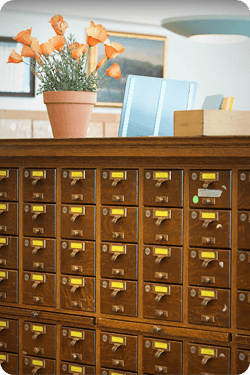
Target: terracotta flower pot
point(69, 112)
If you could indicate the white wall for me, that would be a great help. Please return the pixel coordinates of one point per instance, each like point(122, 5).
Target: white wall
point(218, 69)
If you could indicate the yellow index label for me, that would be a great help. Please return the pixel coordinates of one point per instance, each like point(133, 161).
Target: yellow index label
point(161, 213)
point(3, 357)
point(75, 245)
point(76, 334)
point(208, 215)
point(37, 173)
point(76, 174)
point(37, 277)
point(117, 339)
point(161, 174)
point(76, 369)
point(3, 206)
point(161, 345)
point(117, 174)
point(208, 176)
point(115, 211)
point(38, 208)
point(117, 248)
point(161, 289)
point(160, 251)
point(37, 243)
point(35, 362)
point(208, 255)
point(2, 274)
point(76, 210)
point(3, 173)
point(3, 324)
point(115, 373)
point(207, 351)
point(37, 329)
point(207, 293)
point(117, 285)
point(3, 240)
point(76, 281)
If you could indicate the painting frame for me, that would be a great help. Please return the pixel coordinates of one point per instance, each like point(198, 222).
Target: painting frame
point(31, 92)
point(93, 58)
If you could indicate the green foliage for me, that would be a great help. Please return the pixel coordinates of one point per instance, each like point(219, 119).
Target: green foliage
point(61, 72)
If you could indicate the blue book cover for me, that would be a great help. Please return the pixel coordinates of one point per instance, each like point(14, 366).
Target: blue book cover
point(212, 102)
point(149, 104)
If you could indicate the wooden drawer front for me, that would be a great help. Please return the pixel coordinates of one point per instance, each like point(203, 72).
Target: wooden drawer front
point(39, 185)
point(109, 371)
point(209, 267)
point(78, 345)
point(118, 351)
point(242, 360)
point(78, 258)
point(119, 187)
point(210, 228)
point(163, 226)
point(244, 230)
point(8, 218)
point(33, 365)
point(8, 252)
point(243, 310)
point(208, 189)
point(8, 335)
point(9, 362)
point(39, 254)
point(119, 297)
point(243, 270)
point(8, 184)
point(77, 293)
point(8, 286)
point(203, 359)
point(39, 339)
point(39, 289)
point(161, 356)
point(161, 301)
point(75, 368)
point(119, 224)
point(163, 188)
point(78, 222)
point(78, 186)
point(243, 190)
point(209, 306)
point(119, 260)
point(161, 263)
point(39, 223)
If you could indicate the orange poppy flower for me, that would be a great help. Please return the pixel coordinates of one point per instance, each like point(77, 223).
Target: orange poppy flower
point(14, 57)
point(58, 42)
point(27, 52)
point(73, 46)
point(96, 34)
point(113, 49)
point(101, 62)
point(79, 51)
point(114, 71)
point(35, 46)
point(58, 24)
point(47, 48)
point(24, 37)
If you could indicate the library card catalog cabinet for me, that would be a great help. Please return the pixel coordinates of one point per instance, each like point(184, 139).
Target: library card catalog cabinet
point(125, 256)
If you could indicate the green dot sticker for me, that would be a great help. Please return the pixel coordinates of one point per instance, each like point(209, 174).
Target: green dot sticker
point(195, 199)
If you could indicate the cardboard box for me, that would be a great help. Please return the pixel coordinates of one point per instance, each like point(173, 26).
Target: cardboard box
point(211, 122)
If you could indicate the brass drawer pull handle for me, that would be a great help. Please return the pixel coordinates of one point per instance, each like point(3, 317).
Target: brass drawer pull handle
point(38, 350)
point(117, 308)
point(115, 219)
point(207, 318)
point(38, 230)
point(73, 289)
point(159, 258)
point(74, 252)
point(118, 198)
point(158, 353)
point(3, 345)
point(117, 234)
point(159, 182)
point(74, 341)
point(35, 369)
point(3, 228)
point(205, 359)
point(208, 279)
point(35, 215)
point(159, 297)
point(205, 301)
point(115, 182)
point(73, 217)
point(161, 369)
point(35, 284)
point(76, 233)
point(159, 221)
point(76, 355)
point(208, 201)
point(161, 275)
point(76, 197)
point(38, 195)
point(115, 347)
point(76, 268)
point(160, 237)
point(115, 292)
point(35, 249)
point(74, 181)
point(3, 194)
point(2, 295)
point(36, 334)
point(118, 362)
point(115, 256)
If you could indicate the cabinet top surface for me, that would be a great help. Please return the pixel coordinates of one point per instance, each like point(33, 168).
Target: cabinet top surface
point(203, 146)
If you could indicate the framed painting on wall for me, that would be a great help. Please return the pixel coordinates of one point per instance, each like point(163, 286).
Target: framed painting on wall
point(144, 55)
point(16, 80)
